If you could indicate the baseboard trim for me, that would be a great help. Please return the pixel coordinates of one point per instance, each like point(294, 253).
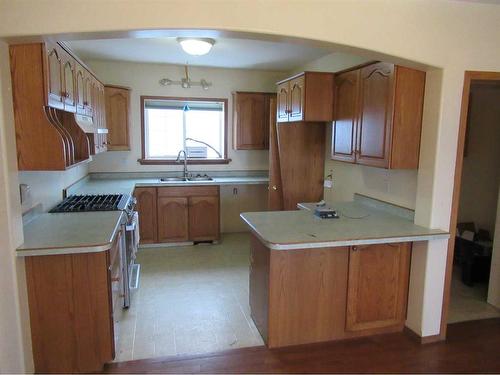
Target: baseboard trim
point(422, 339)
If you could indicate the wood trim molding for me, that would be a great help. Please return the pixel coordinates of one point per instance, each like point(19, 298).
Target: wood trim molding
point(421, 340)
point(469, 78)
point(189, 161)
point(145, 161)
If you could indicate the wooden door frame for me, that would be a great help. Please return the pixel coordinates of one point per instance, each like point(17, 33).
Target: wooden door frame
point(469, 78)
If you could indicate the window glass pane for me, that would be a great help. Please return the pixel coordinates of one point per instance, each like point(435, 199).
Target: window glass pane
point(164, 133)
point(205, 126)
point(168, 122)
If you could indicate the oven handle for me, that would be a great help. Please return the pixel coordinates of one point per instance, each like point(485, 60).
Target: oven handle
point(131, 227)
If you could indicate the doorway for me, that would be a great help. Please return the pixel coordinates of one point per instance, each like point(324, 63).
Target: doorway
point(473, 269)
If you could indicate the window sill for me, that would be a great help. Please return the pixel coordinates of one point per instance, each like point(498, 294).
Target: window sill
point(189, 161)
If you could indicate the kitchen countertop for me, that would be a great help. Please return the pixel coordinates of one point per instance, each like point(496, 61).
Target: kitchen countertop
point(127, 185)
point(70, 233)
point(83, 232)
point(359, 224)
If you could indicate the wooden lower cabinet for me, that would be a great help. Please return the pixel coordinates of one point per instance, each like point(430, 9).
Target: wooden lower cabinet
point(377, 287)
point(178, 213)
point(204, 218)
point(71, 299)
point(173, 219)
point(316, 295)
point(147, 209)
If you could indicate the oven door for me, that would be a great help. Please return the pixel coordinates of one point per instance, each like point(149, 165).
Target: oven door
point(132, 240)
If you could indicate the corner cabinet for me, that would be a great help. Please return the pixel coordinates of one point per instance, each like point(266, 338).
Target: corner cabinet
point(251, 119)
point(378, 116)
point(117, 101)
point(305, 97)
point(178, 213)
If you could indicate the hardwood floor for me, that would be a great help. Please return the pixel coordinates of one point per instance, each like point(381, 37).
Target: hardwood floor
point(471, 347)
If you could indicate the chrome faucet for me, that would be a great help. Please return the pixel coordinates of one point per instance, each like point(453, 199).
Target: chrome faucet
point(185, 162)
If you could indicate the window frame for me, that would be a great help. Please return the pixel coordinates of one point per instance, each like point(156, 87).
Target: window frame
point(143, 160)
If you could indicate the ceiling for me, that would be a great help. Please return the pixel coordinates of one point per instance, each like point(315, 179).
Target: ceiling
point(226, 53)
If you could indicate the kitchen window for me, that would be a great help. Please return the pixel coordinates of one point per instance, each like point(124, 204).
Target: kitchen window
point(196, 125)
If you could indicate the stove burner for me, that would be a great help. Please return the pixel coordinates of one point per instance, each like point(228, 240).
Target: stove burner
point(101, 202)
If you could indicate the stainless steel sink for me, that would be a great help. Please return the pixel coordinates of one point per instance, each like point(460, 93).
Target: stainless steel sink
point(200, 178)
point(173, 179)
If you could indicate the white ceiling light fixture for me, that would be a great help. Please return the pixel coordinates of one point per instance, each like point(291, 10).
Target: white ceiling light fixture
point(196, 46)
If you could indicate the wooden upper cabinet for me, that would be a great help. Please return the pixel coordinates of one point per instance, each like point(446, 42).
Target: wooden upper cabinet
point(204, 218)
point(173, 219)
point(377, 287)
point(54, 77)
point(87, 94)
point(251, 120)
point(296, 102)
point(117, 101)
point(282, 102)
point(69, 83)
point(79, 90)
point(345, 107)
point(383, 112)
point(375, 115)
point(147, 208)
point(306, 97)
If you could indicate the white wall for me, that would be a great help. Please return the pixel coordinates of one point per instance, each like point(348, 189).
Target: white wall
point(436, 33)
point(143, 79)
point(481, 168)
point(46, 187)
point(15, 344)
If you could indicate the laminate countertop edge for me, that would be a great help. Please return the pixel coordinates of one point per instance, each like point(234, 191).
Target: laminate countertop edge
point(294, 230)
point(61, 243)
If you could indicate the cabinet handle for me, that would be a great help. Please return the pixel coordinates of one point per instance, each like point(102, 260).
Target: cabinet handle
point(275, 187)
point(354, 248)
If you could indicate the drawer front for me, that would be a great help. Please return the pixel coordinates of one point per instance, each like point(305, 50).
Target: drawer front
point(188, 191)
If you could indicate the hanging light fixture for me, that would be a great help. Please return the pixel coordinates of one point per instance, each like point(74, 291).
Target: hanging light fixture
point(186, 82)
point(196, 46)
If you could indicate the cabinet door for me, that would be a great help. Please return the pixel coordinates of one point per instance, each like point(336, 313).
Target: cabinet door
point(80, 98)
point(251, 118)
point(117, 102)
point(204, 218)
point(375, 115)
point(172, 219)
point(282, 102)
point(69, 84)
point(87, 94)
point(377, 288)
point(259, 285)
point(296, 99)
point(344, 126)
point(275, 195)
point(54, 77)
point(146, 206)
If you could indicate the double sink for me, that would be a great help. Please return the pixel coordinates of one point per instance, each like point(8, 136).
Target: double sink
point(197, 178)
